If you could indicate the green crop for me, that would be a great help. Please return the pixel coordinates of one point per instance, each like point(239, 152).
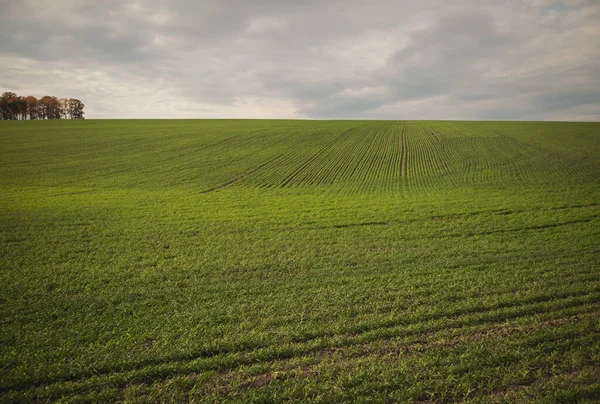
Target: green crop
point(327, 261)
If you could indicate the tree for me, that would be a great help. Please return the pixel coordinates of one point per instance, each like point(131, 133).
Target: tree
point(7, 103)
point(32, 107)
point(47, 107)
point(50, 107)
point(76, 109)
point(20, 107)
point(64, 108)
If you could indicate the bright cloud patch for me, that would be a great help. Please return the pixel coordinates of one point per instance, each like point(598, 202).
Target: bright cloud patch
point(535, 59)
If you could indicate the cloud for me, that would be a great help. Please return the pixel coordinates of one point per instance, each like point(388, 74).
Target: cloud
point(533, 59)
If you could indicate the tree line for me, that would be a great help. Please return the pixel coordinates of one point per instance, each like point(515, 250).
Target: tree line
point(16, 107)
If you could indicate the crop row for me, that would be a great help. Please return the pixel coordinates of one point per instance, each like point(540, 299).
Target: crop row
point(395, 156)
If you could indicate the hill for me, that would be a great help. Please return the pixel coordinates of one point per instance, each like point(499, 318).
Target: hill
point(308, 260)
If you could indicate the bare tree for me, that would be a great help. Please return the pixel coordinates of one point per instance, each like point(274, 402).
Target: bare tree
point(64, 108)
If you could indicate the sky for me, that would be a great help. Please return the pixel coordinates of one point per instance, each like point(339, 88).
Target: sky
point(311, 59)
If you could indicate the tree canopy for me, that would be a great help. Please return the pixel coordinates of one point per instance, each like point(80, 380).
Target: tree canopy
point(15, 107)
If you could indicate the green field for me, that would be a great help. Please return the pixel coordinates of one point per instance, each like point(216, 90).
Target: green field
point(306, 260)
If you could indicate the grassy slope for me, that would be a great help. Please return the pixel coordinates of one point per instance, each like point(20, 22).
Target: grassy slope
point(172, 260)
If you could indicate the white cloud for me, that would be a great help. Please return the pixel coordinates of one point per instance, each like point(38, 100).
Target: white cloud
point(432, 59)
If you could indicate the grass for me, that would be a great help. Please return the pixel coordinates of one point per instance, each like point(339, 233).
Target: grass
point(323, 261)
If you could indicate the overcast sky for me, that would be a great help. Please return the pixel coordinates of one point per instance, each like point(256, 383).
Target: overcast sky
point(397, 59)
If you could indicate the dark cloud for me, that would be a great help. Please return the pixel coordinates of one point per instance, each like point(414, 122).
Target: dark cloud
point(535, 59)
